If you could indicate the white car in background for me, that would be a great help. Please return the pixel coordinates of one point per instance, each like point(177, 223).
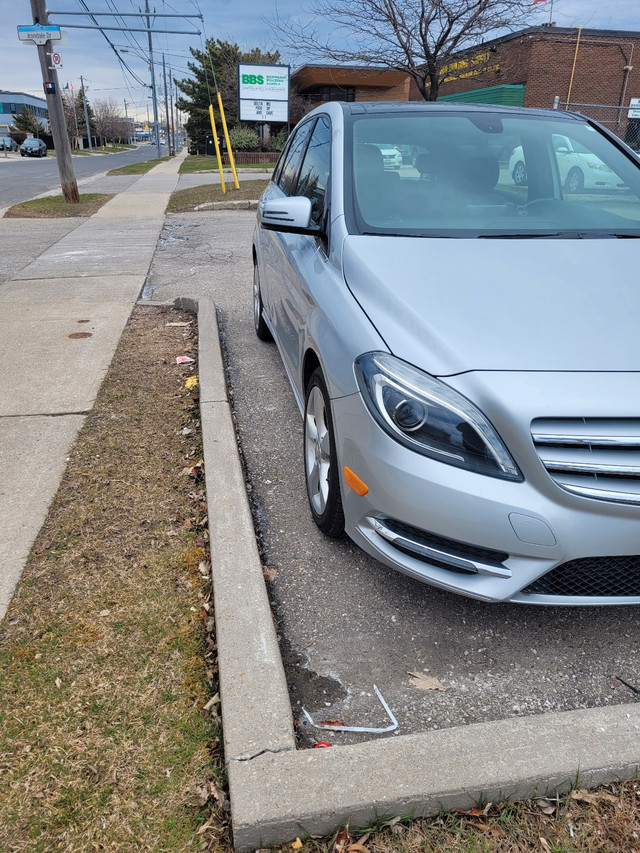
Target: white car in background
point(391, 155)
point(579, 168)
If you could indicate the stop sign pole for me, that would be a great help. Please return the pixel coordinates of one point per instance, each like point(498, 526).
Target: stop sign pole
point(56, 113)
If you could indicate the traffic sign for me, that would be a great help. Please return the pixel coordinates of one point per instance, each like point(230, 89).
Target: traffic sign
point(38, 34)
point(56, 61)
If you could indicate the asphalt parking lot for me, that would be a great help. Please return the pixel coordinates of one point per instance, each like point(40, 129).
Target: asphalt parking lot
point(347, 622)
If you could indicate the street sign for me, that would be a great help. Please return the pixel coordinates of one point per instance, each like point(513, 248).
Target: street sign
point(38, 34)
point(56, 61)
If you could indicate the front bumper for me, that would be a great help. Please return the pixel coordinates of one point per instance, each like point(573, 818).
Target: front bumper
point(479, 536)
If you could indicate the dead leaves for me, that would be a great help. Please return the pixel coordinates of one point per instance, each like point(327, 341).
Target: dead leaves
point(425, 682)
point(594, 798)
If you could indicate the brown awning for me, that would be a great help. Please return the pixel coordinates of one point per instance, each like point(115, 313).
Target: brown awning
point(310, 76)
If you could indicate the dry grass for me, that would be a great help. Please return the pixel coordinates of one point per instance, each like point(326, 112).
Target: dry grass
point(105, 660)
point(189, 199)
point(202, 163)
point(55, 207)
point(138, 168)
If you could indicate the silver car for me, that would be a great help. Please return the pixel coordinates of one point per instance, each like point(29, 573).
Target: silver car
point(464, 350)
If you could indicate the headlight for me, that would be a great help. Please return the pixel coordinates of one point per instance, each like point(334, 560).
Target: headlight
point(431, 418)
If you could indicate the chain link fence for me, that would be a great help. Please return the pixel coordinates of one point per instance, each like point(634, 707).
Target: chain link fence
point(613, 117)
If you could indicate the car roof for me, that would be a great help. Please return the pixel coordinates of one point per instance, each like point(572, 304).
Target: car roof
point(360, 107)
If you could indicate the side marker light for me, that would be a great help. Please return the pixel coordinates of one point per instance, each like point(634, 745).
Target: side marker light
point(354, 482)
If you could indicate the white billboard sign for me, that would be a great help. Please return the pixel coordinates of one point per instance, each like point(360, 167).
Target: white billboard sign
point(263, 92)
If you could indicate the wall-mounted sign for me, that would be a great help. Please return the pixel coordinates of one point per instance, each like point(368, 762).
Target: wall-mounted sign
point(263, 92)
point(634, 108)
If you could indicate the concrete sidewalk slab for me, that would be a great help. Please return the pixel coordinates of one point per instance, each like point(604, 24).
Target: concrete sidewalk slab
point(33, 456)
point(41, 334)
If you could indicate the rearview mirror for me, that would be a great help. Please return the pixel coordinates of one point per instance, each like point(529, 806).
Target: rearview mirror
point(292, 214)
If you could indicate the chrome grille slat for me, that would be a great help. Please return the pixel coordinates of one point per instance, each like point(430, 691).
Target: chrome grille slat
point(595, 458)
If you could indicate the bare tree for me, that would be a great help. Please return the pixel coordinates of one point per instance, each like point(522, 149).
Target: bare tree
point(108, 121)
point(423, 38)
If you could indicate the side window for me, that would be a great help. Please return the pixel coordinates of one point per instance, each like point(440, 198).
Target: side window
point(314, 175)
point(293, 158)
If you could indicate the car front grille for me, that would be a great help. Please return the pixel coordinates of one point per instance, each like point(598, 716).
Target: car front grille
point(596, 458)
point(604, 577)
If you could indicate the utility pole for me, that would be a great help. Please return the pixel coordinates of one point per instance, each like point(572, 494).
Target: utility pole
point(153, 79)
point(173, 127)
point(86, 113)
point(68, 182)
point(166, 106)
point(126, 122)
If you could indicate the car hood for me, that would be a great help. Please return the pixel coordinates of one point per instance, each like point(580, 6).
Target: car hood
point(454, 305)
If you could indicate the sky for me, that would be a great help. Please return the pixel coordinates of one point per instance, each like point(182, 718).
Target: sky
point(86, 52)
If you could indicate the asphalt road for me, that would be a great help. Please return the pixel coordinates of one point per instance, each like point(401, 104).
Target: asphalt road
point(22, 178)
point(345, 620)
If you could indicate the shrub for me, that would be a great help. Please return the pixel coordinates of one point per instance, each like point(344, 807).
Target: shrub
point(243, 138)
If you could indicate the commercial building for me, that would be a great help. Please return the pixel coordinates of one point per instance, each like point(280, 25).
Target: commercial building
point(591, 71)
point(12, 103)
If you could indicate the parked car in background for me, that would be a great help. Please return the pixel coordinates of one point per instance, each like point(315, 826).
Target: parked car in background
point(391, 155)
point(33, 148)
point(464, 351)
point(8, 144)
point(580, 169)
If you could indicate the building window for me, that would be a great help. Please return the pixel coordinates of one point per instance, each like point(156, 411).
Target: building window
point(322, 94)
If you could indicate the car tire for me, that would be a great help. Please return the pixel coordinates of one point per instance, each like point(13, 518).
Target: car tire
point(575, 181)
point(519, 174)
point(320, 459)
point(262, 330)
point(22, 153)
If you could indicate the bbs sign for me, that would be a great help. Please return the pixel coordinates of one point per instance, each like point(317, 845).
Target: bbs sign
point(263, 92)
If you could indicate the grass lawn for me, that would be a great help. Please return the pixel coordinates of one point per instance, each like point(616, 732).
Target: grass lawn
point(189, 199)
point(200, 163)
point(138, 168)
point(54, 207)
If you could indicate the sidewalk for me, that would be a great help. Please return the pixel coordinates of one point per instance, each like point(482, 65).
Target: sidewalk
point(61, 317)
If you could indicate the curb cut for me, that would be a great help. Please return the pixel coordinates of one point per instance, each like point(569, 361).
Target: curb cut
point(278, 792)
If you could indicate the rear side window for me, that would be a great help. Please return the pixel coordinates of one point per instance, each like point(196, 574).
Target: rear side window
point(314, 175)
point(293, 158)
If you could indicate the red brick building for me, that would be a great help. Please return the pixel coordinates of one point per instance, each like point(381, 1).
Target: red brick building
point(591, 71)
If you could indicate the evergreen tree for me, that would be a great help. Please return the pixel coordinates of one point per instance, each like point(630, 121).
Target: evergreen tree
point(199, 91)
point(27, 122)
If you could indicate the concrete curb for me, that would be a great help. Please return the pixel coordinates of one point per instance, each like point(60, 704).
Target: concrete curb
point(278, 792)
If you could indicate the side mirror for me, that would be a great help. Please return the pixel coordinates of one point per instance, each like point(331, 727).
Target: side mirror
point(291, 214)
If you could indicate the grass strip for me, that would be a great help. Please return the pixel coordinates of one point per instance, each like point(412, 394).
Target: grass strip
point(200, 163)
point(55, 207)
point(106, 652)
point(189, 199)
point(137, 168)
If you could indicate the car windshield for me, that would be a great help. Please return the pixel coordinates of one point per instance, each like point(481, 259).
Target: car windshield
point(490, 174)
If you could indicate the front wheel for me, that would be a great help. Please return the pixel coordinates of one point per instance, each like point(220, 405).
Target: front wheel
point(262, 330)
point(320, 459)
point(575, 180)
point(519, 174)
